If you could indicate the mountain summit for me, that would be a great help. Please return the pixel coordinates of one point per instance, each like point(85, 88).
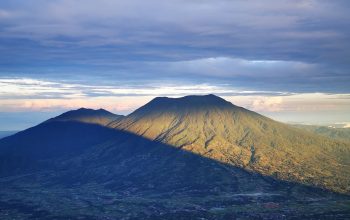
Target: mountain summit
point(212, 127)
point(68, 134)
point(197, 101)
point(86, 115)
point(193, 103)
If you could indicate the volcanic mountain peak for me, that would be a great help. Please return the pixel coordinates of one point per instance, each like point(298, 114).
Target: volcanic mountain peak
point(195, 101)
point(214, 128)
point(86, 115)
point(193, 106)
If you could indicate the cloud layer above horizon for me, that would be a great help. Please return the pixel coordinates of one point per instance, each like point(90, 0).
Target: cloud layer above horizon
point(262, 53)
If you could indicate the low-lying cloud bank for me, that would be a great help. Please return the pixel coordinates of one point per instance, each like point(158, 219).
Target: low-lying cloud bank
point(25, 94)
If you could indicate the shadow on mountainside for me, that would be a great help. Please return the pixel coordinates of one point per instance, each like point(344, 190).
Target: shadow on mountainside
point(39, 147)
point(107, 172)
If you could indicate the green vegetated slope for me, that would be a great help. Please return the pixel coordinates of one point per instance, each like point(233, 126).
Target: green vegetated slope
point(342, 134)
point(214, 128)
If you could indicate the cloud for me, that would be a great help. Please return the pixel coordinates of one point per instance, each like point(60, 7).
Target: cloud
point(270, 56)
point(270, 104)
point(12, 88)
point(30, 95)
point(28, 88)
point(115, 104)
point(347, 125)
point(298, 46)
point(298, 30)
point(27, 94)
point(274, 75)
point(228, 67)
point(299, 103)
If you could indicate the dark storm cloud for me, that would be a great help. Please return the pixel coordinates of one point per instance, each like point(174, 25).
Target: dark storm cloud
point(279, 45)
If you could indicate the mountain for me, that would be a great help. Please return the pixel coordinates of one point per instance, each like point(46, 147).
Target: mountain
point(6, 133)
point(91, 116)
point(64, 136)
point(217, 129)
point(342, 134)
point(131, 177)
point(196, 157)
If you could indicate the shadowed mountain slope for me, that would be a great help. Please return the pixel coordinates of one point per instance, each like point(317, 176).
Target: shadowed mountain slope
point(71, 152)
point(183, 165)
point(63, 136)
point(214, 128)
point(132, 177)
point(6, 133)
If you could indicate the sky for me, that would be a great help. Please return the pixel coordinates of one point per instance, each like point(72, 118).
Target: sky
point(289, 60)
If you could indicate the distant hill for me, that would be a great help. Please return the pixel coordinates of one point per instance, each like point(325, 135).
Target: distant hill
point(342, 134)
point(63, 136)
point(91, 116)
point(38, 147)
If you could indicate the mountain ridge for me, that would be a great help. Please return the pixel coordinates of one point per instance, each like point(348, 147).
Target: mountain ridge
point(220, 130)
point(92, 116)
point(171, 159)
point(215, 128)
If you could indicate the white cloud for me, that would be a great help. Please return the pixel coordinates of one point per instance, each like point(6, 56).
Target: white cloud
point(228, 67)
point(271, 104)
point(25, 87)
point(342, 125)
point(17, 88)
point(115, 104)
point(296, 103)
point(25, 94)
